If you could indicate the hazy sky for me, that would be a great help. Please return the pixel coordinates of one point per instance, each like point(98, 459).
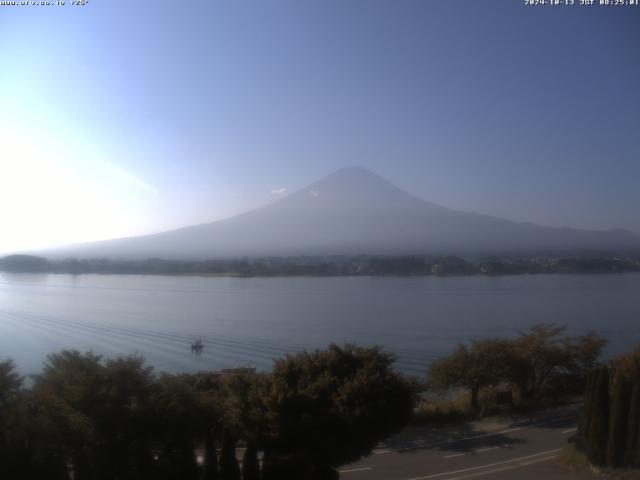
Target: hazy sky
point(121, 118)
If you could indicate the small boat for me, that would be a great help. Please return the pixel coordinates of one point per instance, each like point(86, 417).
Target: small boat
point(197, 347)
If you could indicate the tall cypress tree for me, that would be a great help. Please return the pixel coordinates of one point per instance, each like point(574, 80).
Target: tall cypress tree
point(250, 464)
point(583, 428)
point(599, 424)
point(631, 457)
point(618, 421)
point(210, 467)
point(636, 462)
point(229, 468)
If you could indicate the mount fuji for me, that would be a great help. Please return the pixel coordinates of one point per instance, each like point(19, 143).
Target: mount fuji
point(354, 211)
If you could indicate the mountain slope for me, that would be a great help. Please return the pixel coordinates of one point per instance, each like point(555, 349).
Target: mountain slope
point(354, 211)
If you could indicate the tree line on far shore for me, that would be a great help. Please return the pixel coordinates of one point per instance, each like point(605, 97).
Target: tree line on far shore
point(336, 265)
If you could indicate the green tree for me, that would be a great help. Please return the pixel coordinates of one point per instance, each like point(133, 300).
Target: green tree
point(244, 415)
point(10, 383)
point(244, 410)
point(69, 392)
point(125, 420)
point(13, 432)
point(327, 408)
point(482, 364)
point(549, 363)
point(629, 364)
point(182, 424)
point(97, 414)
point(599, 425)
point(583, 352)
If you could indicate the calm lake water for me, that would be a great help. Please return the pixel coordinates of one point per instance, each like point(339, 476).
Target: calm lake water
point(251, 321)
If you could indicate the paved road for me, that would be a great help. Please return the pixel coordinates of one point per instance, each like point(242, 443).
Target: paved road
point(518, 450)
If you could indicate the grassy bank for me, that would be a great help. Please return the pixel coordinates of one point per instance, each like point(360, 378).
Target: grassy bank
point(456, 406)
point(576, 460)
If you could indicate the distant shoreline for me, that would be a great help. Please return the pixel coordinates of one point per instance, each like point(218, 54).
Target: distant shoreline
point(248, 277)
point(330, 266)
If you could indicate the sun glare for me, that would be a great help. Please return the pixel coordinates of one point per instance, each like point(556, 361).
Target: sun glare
point(53, 192)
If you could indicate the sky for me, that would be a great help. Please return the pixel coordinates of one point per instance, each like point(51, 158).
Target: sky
point(122, 118)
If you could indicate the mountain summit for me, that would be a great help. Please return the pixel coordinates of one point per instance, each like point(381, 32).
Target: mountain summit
point(354, 211)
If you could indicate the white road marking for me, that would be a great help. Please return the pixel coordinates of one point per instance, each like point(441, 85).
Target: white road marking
point(480, 474)
point(487, 449)
point(571, 430)
point(553, 420)
point(420, 444)
point(352, 470)
point(449, 442)
point(479, 467)
point(473, 452)
point(503, 469)
point(382, 450)
point(539, 460)
point(455, 455)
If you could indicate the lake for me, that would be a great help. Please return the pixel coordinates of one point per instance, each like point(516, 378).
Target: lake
point(251, 321)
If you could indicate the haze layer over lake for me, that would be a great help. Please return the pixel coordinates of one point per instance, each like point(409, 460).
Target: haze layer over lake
point(250, 321)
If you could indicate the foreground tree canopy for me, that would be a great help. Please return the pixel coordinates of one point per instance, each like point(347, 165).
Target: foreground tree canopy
point(111, 419)
point(330, 408)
